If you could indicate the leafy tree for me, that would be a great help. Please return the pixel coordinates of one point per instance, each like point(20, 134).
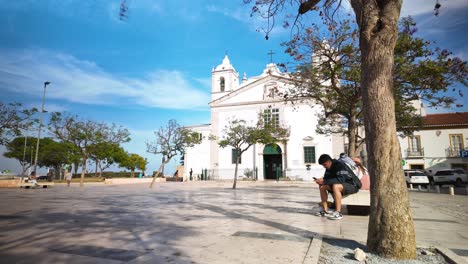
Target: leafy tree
point(171, 141)
point(55, 154)
point(332, 78)
point(16, 149)
point(132, 162)
point(13, 120)
point(85, 135)
point(391, 229)
point(106, 154)
point(238, 135)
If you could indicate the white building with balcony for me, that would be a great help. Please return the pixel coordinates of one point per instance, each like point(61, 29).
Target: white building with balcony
point(247, 99)
point(440, 144)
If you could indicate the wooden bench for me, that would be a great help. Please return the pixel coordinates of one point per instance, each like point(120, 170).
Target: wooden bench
point(357, 203)
point(28, 185)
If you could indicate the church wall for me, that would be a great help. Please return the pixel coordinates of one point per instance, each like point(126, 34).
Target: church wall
point(225, 114)
point(198, 157)
point(303, 121)
point(247, 96)
point(246, 103)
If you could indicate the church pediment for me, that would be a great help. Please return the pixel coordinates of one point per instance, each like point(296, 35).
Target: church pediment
point(267, 88)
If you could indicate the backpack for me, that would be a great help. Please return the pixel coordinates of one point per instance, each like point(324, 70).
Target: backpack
point(353, 171)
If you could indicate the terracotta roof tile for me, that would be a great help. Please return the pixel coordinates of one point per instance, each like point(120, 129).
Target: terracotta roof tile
point(447, 119)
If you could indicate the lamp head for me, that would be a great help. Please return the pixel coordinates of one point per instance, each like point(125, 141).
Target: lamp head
point(46, 83)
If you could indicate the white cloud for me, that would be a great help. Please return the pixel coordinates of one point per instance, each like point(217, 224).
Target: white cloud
point(205, 82)
point(239, 14)
point(82, 81)
point(242, 14)
point(419, 7)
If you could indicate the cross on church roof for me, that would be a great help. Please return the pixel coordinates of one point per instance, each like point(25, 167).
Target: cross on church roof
point(271, 56)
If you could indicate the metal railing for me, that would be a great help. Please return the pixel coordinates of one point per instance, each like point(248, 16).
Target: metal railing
point(413, 153)
point(453, 152)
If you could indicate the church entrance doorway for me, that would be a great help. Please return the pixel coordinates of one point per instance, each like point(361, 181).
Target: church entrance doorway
point(272, 162)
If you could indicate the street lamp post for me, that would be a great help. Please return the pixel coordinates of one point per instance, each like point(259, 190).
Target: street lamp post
point(40, 126)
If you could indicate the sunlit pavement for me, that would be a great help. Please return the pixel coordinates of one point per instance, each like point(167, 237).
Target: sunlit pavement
point(201, 222)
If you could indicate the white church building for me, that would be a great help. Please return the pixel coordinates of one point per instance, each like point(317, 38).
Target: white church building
point(247, 99)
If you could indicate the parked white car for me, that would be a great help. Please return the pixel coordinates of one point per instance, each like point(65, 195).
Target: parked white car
point(451, 176)
point(416, 177)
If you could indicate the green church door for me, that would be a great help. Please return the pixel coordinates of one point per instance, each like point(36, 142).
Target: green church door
point(272, 162)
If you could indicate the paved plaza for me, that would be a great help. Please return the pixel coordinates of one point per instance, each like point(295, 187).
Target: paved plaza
point(200, 222)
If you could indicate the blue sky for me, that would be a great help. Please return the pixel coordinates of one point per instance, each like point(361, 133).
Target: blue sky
point(156, 65)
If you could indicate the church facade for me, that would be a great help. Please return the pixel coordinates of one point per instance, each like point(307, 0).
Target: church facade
point(247, 99)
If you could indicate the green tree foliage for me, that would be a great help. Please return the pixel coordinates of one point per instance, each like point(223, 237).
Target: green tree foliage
point(105, 154)
point(170, 141)
point(22, 151)
point(53, 154)
point(133, 162)
point(85, 135)
point(14, 119)
point(332, 77)
point(424, 72)
point(240, 136)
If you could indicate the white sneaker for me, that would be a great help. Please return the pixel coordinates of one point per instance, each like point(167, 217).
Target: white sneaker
point(335, 216)
point(323, 213)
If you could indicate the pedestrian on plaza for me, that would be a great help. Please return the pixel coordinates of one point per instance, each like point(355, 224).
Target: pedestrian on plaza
point(191, 172)
point(334, 181)
point(68, 175)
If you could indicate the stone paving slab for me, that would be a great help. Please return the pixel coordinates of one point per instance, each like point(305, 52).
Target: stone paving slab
point(201, 222)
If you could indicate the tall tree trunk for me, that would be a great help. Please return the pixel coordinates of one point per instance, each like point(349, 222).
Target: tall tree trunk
point(235, 172)
point(160, 170)
point(352, 129)
point(83, 171)
point(96, 172)
point(100, 170)
point(76, 166)
point(391, 230)
point(132, 173)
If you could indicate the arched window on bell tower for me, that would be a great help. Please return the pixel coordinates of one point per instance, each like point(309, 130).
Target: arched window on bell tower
point(222, 83)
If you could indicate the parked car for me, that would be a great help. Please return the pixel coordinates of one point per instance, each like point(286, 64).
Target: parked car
point(450, 176)
point(416, 177)
point(42, 178)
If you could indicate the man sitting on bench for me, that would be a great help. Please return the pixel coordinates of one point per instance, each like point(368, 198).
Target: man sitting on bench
point(33, 179)
point(334, 180)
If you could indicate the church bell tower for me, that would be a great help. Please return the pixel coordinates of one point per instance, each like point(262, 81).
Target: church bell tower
point(224, 79)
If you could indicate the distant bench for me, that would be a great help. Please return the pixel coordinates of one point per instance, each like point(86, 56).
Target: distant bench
point(28, 185)
point(357, 203)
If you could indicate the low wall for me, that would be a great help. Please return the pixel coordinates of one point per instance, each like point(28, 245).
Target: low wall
point(10, 183)
point(132, 180)
point(360, 198)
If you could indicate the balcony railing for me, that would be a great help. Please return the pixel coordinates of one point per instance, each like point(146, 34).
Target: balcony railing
point(414, 153)
point(453, 152)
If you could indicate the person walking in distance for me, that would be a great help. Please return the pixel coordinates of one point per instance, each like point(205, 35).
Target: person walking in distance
point(68, 176)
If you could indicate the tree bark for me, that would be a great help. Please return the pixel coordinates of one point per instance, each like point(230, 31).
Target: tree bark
point(96, 174)
point(235, 172)
point(83, 171)
point(160, 170)
point(352, 135)
point(391, 230)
